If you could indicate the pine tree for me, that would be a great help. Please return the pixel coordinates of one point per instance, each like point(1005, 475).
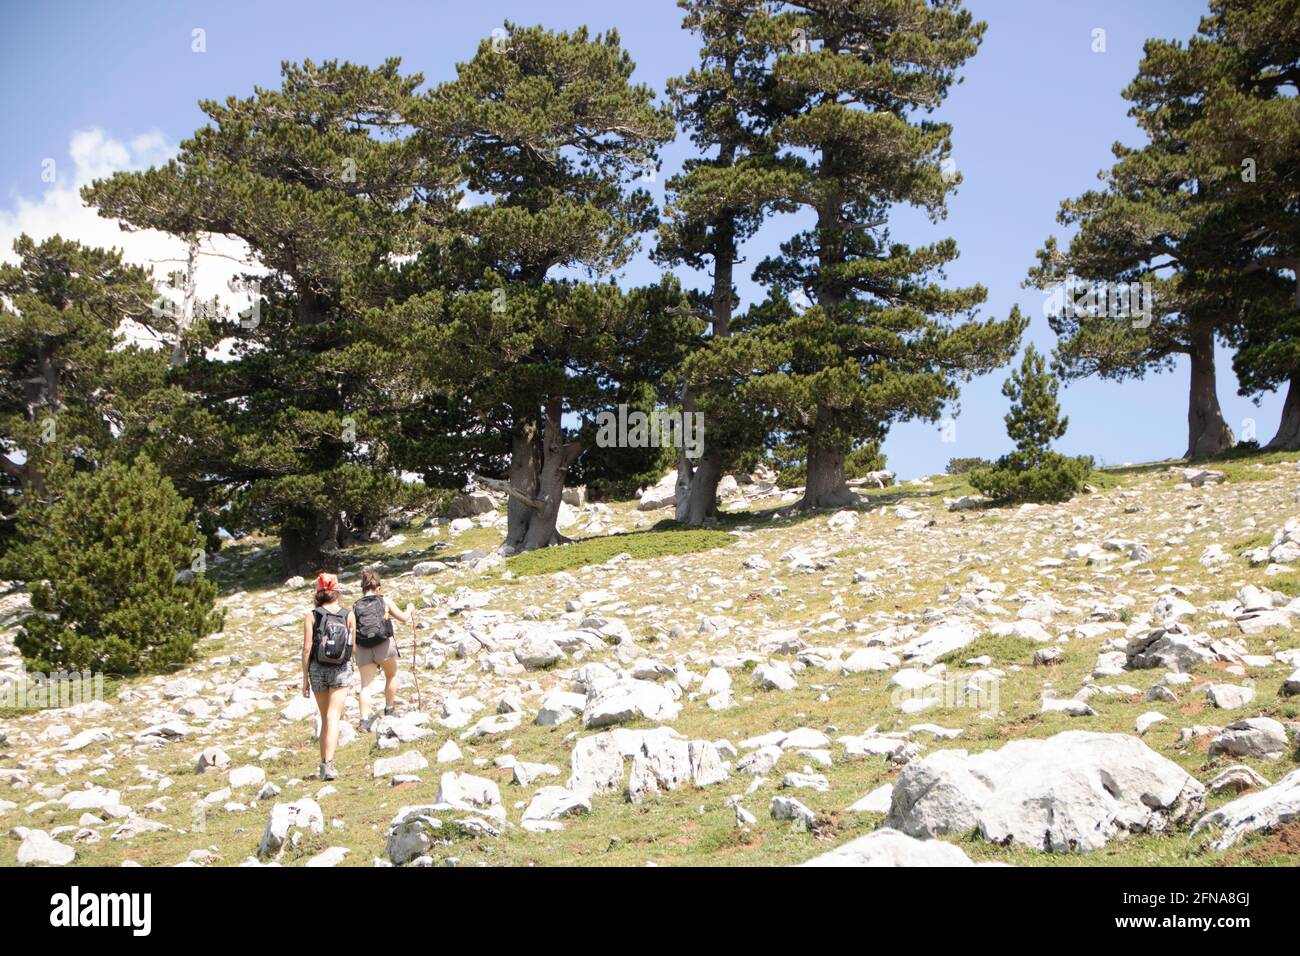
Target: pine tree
point(324, 180)
point(1033, 472)
point(112, 576)
point(717, 202)
point(63, 388)
point(1243, 66)
point(550, 132)
point(880, 340)
point(1172, 215)
point(1034, 421)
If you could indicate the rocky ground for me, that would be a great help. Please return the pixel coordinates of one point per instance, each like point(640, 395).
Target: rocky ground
point(920, 679)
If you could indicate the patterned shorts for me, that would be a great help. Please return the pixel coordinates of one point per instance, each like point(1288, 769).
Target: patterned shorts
point(325, 676)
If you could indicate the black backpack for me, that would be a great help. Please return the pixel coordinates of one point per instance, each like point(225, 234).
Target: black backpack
point(372, 628)
point(331, 642)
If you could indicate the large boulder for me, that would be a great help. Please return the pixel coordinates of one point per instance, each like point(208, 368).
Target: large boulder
point(660, 495)
point(596, 765)
point(629, 700)
point(1261, 810)
point(304, 814)
point(410, 762)
point(40, 849)
point(470, 505)
point(1071, 792)
point(538, 650)
point(887, 847)
point(464, 791)
point(944, 638)
point(552, 803)
point(1172, 648)
point(1261, 737)
point(413, 831)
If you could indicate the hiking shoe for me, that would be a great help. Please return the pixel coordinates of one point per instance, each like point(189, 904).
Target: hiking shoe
point(389, 711)
point(365, 725)
point(328, 772)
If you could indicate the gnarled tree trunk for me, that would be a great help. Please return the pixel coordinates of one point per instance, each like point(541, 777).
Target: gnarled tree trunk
point(1207, 433)
point(702, 504)
point(522, 480)
point(309, 543)
point(1288, 432)
point(539, 464)
point(826, 487)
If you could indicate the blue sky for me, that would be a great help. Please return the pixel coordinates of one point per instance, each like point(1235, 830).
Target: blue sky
point(1034, 119)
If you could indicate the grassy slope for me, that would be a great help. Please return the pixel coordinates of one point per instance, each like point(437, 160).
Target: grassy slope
point(692, 826)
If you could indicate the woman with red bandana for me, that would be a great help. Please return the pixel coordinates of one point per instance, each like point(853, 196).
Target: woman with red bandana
point(329, 637)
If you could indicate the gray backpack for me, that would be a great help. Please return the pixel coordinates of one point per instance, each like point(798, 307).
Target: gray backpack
point(372, 628)
point(331, 642)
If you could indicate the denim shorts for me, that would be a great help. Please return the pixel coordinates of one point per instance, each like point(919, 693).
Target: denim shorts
point(325, 676)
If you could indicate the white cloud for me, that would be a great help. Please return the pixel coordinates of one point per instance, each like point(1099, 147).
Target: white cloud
point(93, 154)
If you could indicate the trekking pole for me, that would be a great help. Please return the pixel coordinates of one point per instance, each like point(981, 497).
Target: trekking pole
point(415, 666)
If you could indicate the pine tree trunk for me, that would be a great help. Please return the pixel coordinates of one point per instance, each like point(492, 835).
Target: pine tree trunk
point(310, 543)
point(524, 476)
point(557, 456)
point(682, 487)
point(1288, 432)
point(1207, 433)
point(702, 506)
point(826, 487)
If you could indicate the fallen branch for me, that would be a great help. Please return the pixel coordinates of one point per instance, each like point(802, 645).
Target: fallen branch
point(505, 488)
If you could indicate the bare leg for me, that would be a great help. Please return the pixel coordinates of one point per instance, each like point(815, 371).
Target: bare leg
point(331, 704)
point(323, 705)
point(390, 681)
point(338, 697)
point(368, 672)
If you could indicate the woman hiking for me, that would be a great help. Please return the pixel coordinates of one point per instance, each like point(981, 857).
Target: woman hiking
point(329, 634)
point(376, 645)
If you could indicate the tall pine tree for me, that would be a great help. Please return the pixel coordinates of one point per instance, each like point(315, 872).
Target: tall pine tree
point(517, 323)
point(66, 372)
point(1166, 218)
point(881, 340)
point(717, 202)
point(1244, 64)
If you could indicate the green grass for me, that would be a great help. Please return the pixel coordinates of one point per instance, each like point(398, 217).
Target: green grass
point(641, 545)
point(1288, 584)
point(1010, 649)
point(1246, 464)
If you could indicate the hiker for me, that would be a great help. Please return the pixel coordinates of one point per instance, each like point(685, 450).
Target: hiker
point(329, 633)
point(376, 645)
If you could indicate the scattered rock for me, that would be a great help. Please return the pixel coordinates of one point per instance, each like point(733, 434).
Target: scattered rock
point(1071, 792)
point(888, 847)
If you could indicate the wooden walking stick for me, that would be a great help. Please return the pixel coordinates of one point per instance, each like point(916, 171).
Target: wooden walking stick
point(415, 668)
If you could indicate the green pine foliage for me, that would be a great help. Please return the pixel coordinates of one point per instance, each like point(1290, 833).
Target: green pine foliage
point(962, 466)
point(511, 315)
point(1033, 472)
point(859, 331)
point(65, 380)
point(111, 570)
point(326, 181)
